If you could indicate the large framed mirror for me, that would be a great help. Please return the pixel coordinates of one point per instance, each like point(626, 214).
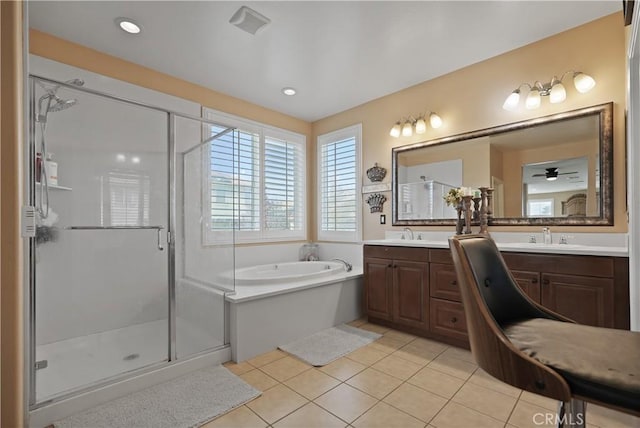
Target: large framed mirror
point(552, 170)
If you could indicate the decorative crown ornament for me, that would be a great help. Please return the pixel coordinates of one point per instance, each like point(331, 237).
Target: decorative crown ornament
point(376, 201)
point(376, 173)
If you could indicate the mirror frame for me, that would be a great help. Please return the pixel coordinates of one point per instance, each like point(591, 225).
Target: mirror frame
point(605, 114)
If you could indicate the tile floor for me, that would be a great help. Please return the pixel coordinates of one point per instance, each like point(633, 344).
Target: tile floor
point(400, 381)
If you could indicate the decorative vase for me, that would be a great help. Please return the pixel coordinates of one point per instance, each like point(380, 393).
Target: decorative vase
point(460, 221)
point(466, 201)
point(376, 173)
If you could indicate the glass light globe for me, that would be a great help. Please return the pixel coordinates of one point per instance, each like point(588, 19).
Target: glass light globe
point(533, 99)
point(512, 100)
point(583, 82)
point(435, 121)
point(558, 94)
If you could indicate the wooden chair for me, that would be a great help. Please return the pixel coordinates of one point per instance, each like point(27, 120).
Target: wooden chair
point(530, 347)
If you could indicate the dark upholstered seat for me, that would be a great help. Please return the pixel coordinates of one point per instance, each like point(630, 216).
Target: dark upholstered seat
point(600, 363)
point(530, 347)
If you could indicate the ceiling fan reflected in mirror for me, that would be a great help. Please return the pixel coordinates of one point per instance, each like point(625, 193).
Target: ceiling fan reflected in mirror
point(552, 174)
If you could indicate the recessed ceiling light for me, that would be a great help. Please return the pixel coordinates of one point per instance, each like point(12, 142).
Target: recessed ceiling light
point(128, 25)
point(288, 91)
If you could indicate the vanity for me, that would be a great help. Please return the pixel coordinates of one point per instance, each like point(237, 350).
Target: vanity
point(411, 286)
point(553, 171)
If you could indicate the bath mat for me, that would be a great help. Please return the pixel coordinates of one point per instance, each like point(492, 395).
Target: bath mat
point(187, 401)
point(328, 345)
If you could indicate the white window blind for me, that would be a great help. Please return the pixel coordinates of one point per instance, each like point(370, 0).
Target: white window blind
point(339, 183)
point(234, 181)
point(128, 199)
point(283, 191)
point(256, 184)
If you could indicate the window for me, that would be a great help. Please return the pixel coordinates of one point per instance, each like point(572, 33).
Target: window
point(540, 208)
point(128, 200)
point(339, 206)
point(255, 183)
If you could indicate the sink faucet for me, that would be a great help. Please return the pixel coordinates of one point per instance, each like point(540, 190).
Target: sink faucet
point(408, 230)
point(546, 235)
point(347, 266)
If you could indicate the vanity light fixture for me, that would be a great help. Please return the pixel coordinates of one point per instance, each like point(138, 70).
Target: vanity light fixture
point(128, 25)
point(406, 127)
point(554, 89)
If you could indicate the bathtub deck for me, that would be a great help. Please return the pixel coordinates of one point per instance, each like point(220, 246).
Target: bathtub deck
point(245, 293)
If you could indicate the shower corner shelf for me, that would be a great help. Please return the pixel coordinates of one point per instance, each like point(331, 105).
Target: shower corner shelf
point(54, 186)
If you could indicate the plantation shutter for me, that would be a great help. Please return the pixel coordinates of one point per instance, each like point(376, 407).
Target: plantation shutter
point(283, 186)
point(338, 186)
point(128, 199)
point(234, 160)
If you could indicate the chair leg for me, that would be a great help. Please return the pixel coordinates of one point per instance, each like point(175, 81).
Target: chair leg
point(572, 414)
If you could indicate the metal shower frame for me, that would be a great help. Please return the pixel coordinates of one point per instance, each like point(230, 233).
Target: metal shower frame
point(30, 249)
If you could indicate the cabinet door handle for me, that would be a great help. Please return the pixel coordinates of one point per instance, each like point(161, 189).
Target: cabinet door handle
point(395, 266)
point(546, 281)
point(454, 320)
point(454, 282)
point(389, 265)
point(534, 281)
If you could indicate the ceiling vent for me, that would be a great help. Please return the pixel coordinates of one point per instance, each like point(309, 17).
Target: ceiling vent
point(249, 20)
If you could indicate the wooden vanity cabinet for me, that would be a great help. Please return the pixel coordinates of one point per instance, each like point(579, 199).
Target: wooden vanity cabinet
point(397, 285)
point(416, 290)
point(529, 282)
point(591, 290)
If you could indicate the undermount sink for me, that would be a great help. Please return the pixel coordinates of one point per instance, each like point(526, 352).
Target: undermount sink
point(536, 245)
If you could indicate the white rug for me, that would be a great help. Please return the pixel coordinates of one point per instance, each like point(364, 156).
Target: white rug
point(187, 401)
point(328, 345)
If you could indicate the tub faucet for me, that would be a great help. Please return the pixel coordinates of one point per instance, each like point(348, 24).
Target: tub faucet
point(347, 265)
point(409, 231)
point(546, 235)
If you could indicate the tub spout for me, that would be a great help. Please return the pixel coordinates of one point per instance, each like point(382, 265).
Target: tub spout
point(347, 265)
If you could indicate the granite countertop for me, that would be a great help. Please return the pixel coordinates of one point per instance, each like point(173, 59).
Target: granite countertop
point(524, 247)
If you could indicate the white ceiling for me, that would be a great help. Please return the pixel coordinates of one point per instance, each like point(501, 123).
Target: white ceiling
point(337, 54)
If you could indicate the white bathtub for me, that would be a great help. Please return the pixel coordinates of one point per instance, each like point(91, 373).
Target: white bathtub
point(287, 272)
point(278, 303)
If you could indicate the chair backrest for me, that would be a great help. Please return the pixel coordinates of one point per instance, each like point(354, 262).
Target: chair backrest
point(491, 298)
point(497, 287)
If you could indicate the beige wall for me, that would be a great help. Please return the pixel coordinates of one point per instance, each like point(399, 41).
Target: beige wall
point(11, 343)
point(471, 98)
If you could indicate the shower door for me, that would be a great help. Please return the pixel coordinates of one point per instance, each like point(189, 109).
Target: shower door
point(100, 262)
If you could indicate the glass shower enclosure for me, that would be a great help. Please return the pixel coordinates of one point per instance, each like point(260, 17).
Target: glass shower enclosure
point(120, 282)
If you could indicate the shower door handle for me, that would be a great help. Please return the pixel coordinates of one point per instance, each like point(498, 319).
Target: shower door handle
point(158, 228)
point(160, 247)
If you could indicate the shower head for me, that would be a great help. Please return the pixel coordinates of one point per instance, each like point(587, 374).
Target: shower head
point(61, 104)
point(54, 102)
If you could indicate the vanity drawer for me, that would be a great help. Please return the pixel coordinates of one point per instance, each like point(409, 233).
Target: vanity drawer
point(444, 283)
point(441, 256)
point(391, 252)
point(447, 318)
